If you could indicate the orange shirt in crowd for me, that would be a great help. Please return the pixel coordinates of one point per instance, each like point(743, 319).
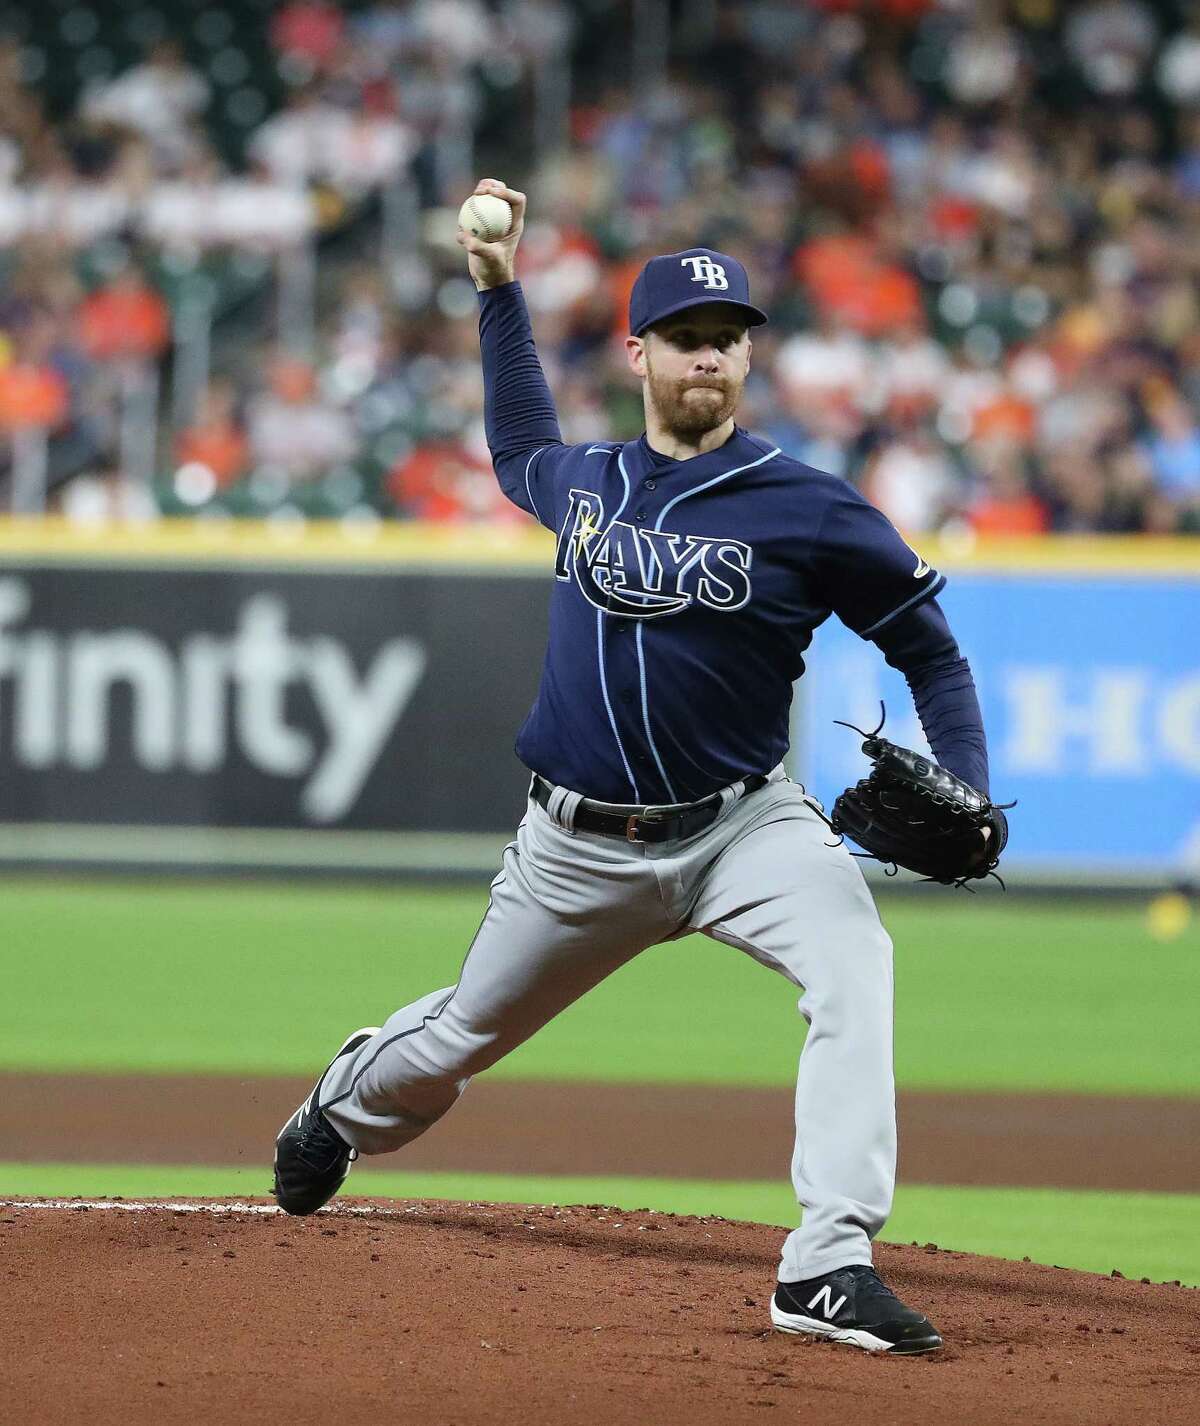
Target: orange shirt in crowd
point(124, 320)
point(1008, 417)
point(443, 481)
point(221, 447)
point(846, 277)
point(31, 396)
point(1022, 515)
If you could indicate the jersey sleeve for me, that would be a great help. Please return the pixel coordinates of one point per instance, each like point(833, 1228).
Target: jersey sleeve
point(530, 480)
point(863, 569)
point(919, 643)
point(518, 409)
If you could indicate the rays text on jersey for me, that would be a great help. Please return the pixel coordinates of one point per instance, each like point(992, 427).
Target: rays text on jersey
point(627, 569)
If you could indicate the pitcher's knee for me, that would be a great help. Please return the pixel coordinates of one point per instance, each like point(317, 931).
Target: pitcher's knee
point(868, 953)
point(854, 988)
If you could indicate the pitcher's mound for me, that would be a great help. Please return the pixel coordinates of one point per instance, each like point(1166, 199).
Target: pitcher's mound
point(450, 1314)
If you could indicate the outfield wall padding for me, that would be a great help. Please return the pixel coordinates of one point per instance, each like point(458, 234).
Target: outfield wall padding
point(261, 698)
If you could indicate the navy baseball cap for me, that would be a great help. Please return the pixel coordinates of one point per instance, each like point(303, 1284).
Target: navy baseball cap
point(670, 283)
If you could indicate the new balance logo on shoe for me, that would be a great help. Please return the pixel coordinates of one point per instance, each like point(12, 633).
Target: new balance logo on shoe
point(831, 1308)
point(852, 1305)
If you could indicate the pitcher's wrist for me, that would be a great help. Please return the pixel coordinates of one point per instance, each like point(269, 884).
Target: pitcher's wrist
point(483, 285)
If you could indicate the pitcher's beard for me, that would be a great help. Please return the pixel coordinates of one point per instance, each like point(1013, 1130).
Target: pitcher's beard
point(687, 414)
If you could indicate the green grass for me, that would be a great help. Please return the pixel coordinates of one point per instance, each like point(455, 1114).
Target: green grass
point(1141, 1234)
point(262, 978)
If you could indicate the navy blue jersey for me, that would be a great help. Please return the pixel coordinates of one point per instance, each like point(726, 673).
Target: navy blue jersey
point(685, 595)
point(686, 592)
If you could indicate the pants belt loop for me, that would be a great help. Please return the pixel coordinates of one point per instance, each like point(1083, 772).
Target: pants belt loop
point(567, 810)
point(562, 806)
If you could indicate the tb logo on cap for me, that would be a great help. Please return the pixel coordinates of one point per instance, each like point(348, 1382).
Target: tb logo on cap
point(710, 273)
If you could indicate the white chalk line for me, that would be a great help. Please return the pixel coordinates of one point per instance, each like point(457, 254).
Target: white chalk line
point(235, 1206)
point(166, 1206)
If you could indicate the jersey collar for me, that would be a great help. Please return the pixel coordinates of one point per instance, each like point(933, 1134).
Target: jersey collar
point(642, 460)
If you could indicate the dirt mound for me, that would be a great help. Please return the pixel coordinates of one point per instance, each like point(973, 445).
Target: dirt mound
point(448, 1313)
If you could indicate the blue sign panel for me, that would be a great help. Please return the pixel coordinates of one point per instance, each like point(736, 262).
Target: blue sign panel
point(1090, 689)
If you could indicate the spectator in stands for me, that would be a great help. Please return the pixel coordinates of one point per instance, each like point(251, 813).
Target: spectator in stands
point(1111, 41)
point(293, 429)
point(369, 150)
point(158, 99)
point(912, 481)
point(449, 481)
point(124, 319)
point(828, 359)
point(1178, 68)
point(382, 32)
point(984, 302)
point(77, 210)
point(909, 371)
point(983, 60)
point(461, 32)
point(35, 399)
point(292, 144)
point(1186, 170)
point(179, 214)
point(257, 212)
point(215, 439)
point(539, 31)
point(1003, 503)
point(1172, 448)
point(307, 34)
point(1075, 490)
point(38, 332)
point(25, 136)
point(1134, 504)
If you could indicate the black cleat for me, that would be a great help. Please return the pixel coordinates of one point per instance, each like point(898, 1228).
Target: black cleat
point(311, 1157)
point(854, 1306)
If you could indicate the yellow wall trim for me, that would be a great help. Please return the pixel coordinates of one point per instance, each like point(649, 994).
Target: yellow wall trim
point(55, 540)
point(512, 548)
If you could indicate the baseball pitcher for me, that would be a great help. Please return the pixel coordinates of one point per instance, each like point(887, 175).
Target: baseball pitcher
point(692, 566)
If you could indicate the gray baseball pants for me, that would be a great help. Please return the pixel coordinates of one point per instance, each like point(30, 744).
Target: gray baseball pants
point(569, 908)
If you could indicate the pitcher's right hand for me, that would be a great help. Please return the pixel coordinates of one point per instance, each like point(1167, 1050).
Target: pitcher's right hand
point(491, 264)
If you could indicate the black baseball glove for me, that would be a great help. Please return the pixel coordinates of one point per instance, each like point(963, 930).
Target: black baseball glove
point(912, 813)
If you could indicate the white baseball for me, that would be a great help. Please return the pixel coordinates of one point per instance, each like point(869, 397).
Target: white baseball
point(486, 217)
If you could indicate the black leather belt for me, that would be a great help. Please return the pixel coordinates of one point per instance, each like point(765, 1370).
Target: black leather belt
point(644, 824)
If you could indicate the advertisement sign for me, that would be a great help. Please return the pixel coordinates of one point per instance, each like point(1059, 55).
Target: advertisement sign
point(237, 697)
point(1090, 688)
point(271, 714)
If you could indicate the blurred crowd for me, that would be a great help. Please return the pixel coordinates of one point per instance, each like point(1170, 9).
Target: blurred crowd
point(974, 225)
